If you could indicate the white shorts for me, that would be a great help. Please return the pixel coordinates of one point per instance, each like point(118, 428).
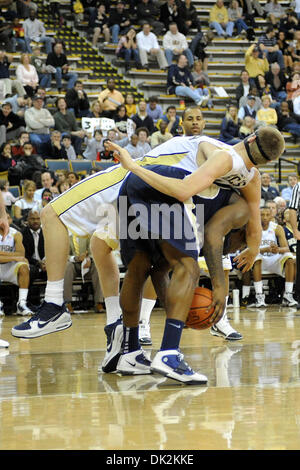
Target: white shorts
point(226, 261)
point(274, 264)
point(9, 271)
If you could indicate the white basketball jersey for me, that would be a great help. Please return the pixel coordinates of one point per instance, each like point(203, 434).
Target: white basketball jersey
point(184, 149)
point(269, 238)
point(8, 244)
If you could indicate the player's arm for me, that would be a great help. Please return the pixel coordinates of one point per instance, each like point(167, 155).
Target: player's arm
point(226, 219)
point(294, 223)
point(215, 167)
point(17, 255)
point(3, 217)
point(283, 246)
point(251, 194)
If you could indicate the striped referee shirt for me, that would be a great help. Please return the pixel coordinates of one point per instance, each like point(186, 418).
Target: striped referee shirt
point(295, 200)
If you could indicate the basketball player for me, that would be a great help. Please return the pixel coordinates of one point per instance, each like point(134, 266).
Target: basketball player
point(274, 258)
point(4, 227)
point(155, 253)
point(76, 210)
point(14, 266)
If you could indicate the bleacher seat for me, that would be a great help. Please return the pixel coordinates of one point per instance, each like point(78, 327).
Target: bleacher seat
point(81, 165)
point(15, 191)
point(54, 165)
point(102, 165)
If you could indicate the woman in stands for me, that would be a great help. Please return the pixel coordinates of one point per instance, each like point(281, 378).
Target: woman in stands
point(99, 23)
point(230, 127)
point(128, 50)
point(27, 75)
point(27, 202)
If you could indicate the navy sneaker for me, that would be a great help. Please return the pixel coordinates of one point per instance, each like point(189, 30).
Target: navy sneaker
point(49, 318)
point(171, 364)
point(224, 330)
point(114, 334)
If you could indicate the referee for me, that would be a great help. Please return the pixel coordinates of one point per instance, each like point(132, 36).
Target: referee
point(294, 205)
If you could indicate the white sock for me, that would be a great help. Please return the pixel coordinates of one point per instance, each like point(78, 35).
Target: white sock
point(245, 291)
point(258, 286)
point(23, 295)
point(113, 309)
point(54, 292)
point(146, 309)
point(225, 310)
point(289, 287)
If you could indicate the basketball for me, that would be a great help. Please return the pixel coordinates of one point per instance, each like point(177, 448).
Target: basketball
point(198, 317)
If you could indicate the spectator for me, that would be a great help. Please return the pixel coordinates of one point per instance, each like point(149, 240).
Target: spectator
point(172, 120)
point(29, 162)
point(65, 122)
point(6, 35)
point(11, 125)
point(99, 22)
point(130, 104)
point(26, 203)
point(175, 44)
point(77, 100)
point(121, 119)
point(148, 46)
point(243, 88)
point(55, 12)
point(105, 154)
point(268, 192)
point(143, 137)
point(19, 104)
point(160, 136)
point(288, 121)
point(114, 136)
point(262, 86)
point(201, 80)
point(18, 35)
point(58, 59)
point(252, 6)
point(135, 150)
point(24, 7)
point(154, 109)
point(78, 10)
point(44, 71)
point(253, 92)
point(267, 44)
point(110, 98)
point(293, 87)
point(219, 20)
point(169, 13)
point(286, 50)
point(54, 150)
point(81, 264)
point(147, 12)
point(118, 21)
point(253, 64)
point(249, 109)
point(230, 127)
point(14, 267)
point(96, 110)
point(141, 118)
point(27, 75)
point(289, 24)
point(198, 45)
point(33, 241)
point(67, 144)
point(266, 114)
point(286, 193)
point(38, 122)
point(235, 14)
point(8, 197)
point(17, 148)
point(9, 85)
point(34, 30)
point(295, 51)
point(47, 181)
point(288, 230)
point(274, 258)
point(72, 178)
point(7, 160)
point(274, 11)
point(94, 145)
point(247, 127)
point(188, 12)
point(180, 81)
point(128, 50)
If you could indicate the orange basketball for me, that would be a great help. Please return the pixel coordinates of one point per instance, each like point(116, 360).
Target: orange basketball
point(198, 317)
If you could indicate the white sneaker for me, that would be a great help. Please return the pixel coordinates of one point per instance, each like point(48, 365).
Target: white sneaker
point(225, 330)
point(144, 333)
point(3, 344)
point(134, 363)
point(288, 300)
point(259, 301)
point(23, 310)
point(205, 101)
point(170, 363)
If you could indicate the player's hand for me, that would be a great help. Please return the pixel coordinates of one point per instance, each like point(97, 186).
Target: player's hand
point(245, 260)
point(219, 299)
point(120, 154)
point(5, 226)
point(297, 234)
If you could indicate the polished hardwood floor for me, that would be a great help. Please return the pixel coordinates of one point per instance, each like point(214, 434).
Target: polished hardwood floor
point(52, 395)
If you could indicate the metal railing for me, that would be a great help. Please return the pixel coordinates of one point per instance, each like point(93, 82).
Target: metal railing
point(278, 166)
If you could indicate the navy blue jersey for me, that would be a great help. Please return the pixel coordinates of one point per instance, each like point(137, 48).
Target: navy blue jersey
point(292, 242)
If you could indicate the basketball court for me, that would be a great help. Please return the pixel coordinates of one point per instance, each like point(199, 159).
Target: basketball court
point(53, 397)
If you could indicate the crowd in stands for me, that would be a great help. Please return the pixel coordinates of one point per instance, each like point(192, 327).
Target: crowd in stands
point(144, 31)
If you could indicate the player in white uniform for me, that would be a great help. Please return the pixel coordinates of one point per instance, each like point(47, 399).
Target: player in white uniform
point(274, 258)
point(14, 266)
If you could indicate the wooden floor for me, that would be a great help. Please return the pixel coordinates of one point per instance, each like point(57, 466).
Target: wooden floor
point(53, 397)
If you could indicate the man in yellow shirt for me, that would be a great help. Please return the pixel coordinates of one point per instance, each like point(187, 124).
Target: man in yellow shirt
point(254, 64)
point(218, 20)
point(110, 98)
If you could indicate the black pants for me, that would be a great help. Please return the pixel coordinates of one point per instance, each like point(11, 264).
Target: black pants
point(297, 283)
